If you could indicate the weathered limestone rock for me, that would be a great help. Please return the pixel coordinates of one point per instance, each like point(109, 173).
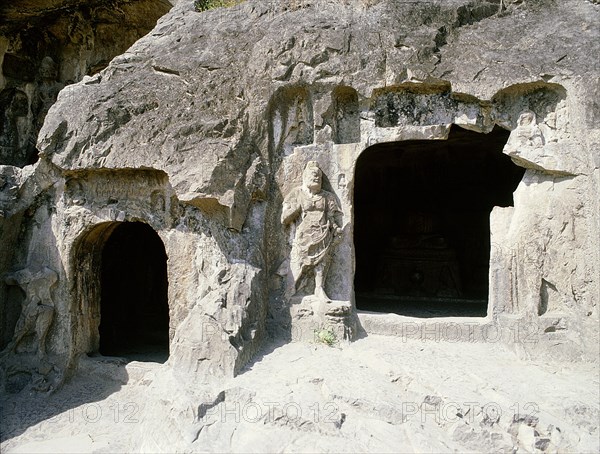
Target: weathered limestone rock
point(37, 313)
point(227, 314)
point(47, 44)
point(44, 45)
point(38, 307)
point(204, 127)
point(232, 143)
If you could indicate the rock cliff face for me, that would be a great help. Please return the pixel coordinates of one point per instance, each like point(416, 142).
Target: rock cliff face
point(47, 44)
point(44, 46)
point(204, 126)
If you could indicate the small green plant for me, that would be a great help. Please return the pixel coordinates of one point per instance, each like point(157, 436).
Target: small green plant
point(325, 336)
point(204, 5)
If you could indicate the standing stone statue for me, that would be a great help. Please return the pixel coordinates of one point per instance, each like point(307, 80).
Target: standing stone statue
point(14, 108)
point(317, 229)
point(47, 90)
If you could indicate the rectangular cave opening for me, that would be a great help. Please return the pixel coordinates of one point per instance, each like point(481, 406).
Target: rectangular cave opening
point(421, 223)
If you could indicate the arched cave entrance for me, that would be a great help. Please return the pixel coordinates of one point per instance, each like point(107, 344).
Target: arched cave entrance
point(421, 222)
point(134, 310)
point(121, 287)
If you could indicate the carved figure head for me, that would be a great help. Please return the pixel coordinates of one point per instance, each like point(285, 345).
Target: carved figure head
point(312, 176)
point(48, 69)
point(527, 118)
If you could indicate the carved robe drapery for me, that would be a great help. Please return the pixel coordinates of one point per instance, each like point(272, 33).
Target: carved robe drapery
point(315, 233)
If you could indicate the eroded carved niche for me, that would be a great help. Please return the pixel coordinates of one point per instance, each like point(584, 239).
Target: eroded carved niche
point(429, 105)
point(291, 118)
point(346, 126)
point(413, 105)
point(66, 44)
point(24, 108)
point(315, 219)
point(525, 138)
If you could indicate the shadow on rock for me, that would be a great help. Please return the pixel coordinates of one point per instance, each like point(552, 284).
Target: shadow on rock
point(95, 380)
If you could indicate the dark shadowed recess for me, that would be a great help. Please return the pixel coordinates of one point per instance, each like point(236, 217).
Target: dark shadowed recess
point(421, 222)
point(134, 311)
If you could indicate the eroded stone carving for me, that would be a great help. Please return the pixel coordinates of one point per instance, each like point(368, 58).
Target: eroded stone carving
point(38, 307)
point(292, 120)
point(346, 115)
point(317, 231)
point(8, 191)
point(14, 109)
point(47, 90)
point(527, 145)
point(528, 133)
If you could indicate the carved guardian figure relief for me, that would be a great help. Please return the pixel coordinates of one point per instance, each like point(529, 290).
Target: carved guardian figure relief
point(38, 308)
point(318, 228)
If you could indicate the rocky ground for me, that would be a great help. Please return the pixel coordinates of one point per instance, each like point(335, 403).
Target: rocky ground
point(379, 394)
